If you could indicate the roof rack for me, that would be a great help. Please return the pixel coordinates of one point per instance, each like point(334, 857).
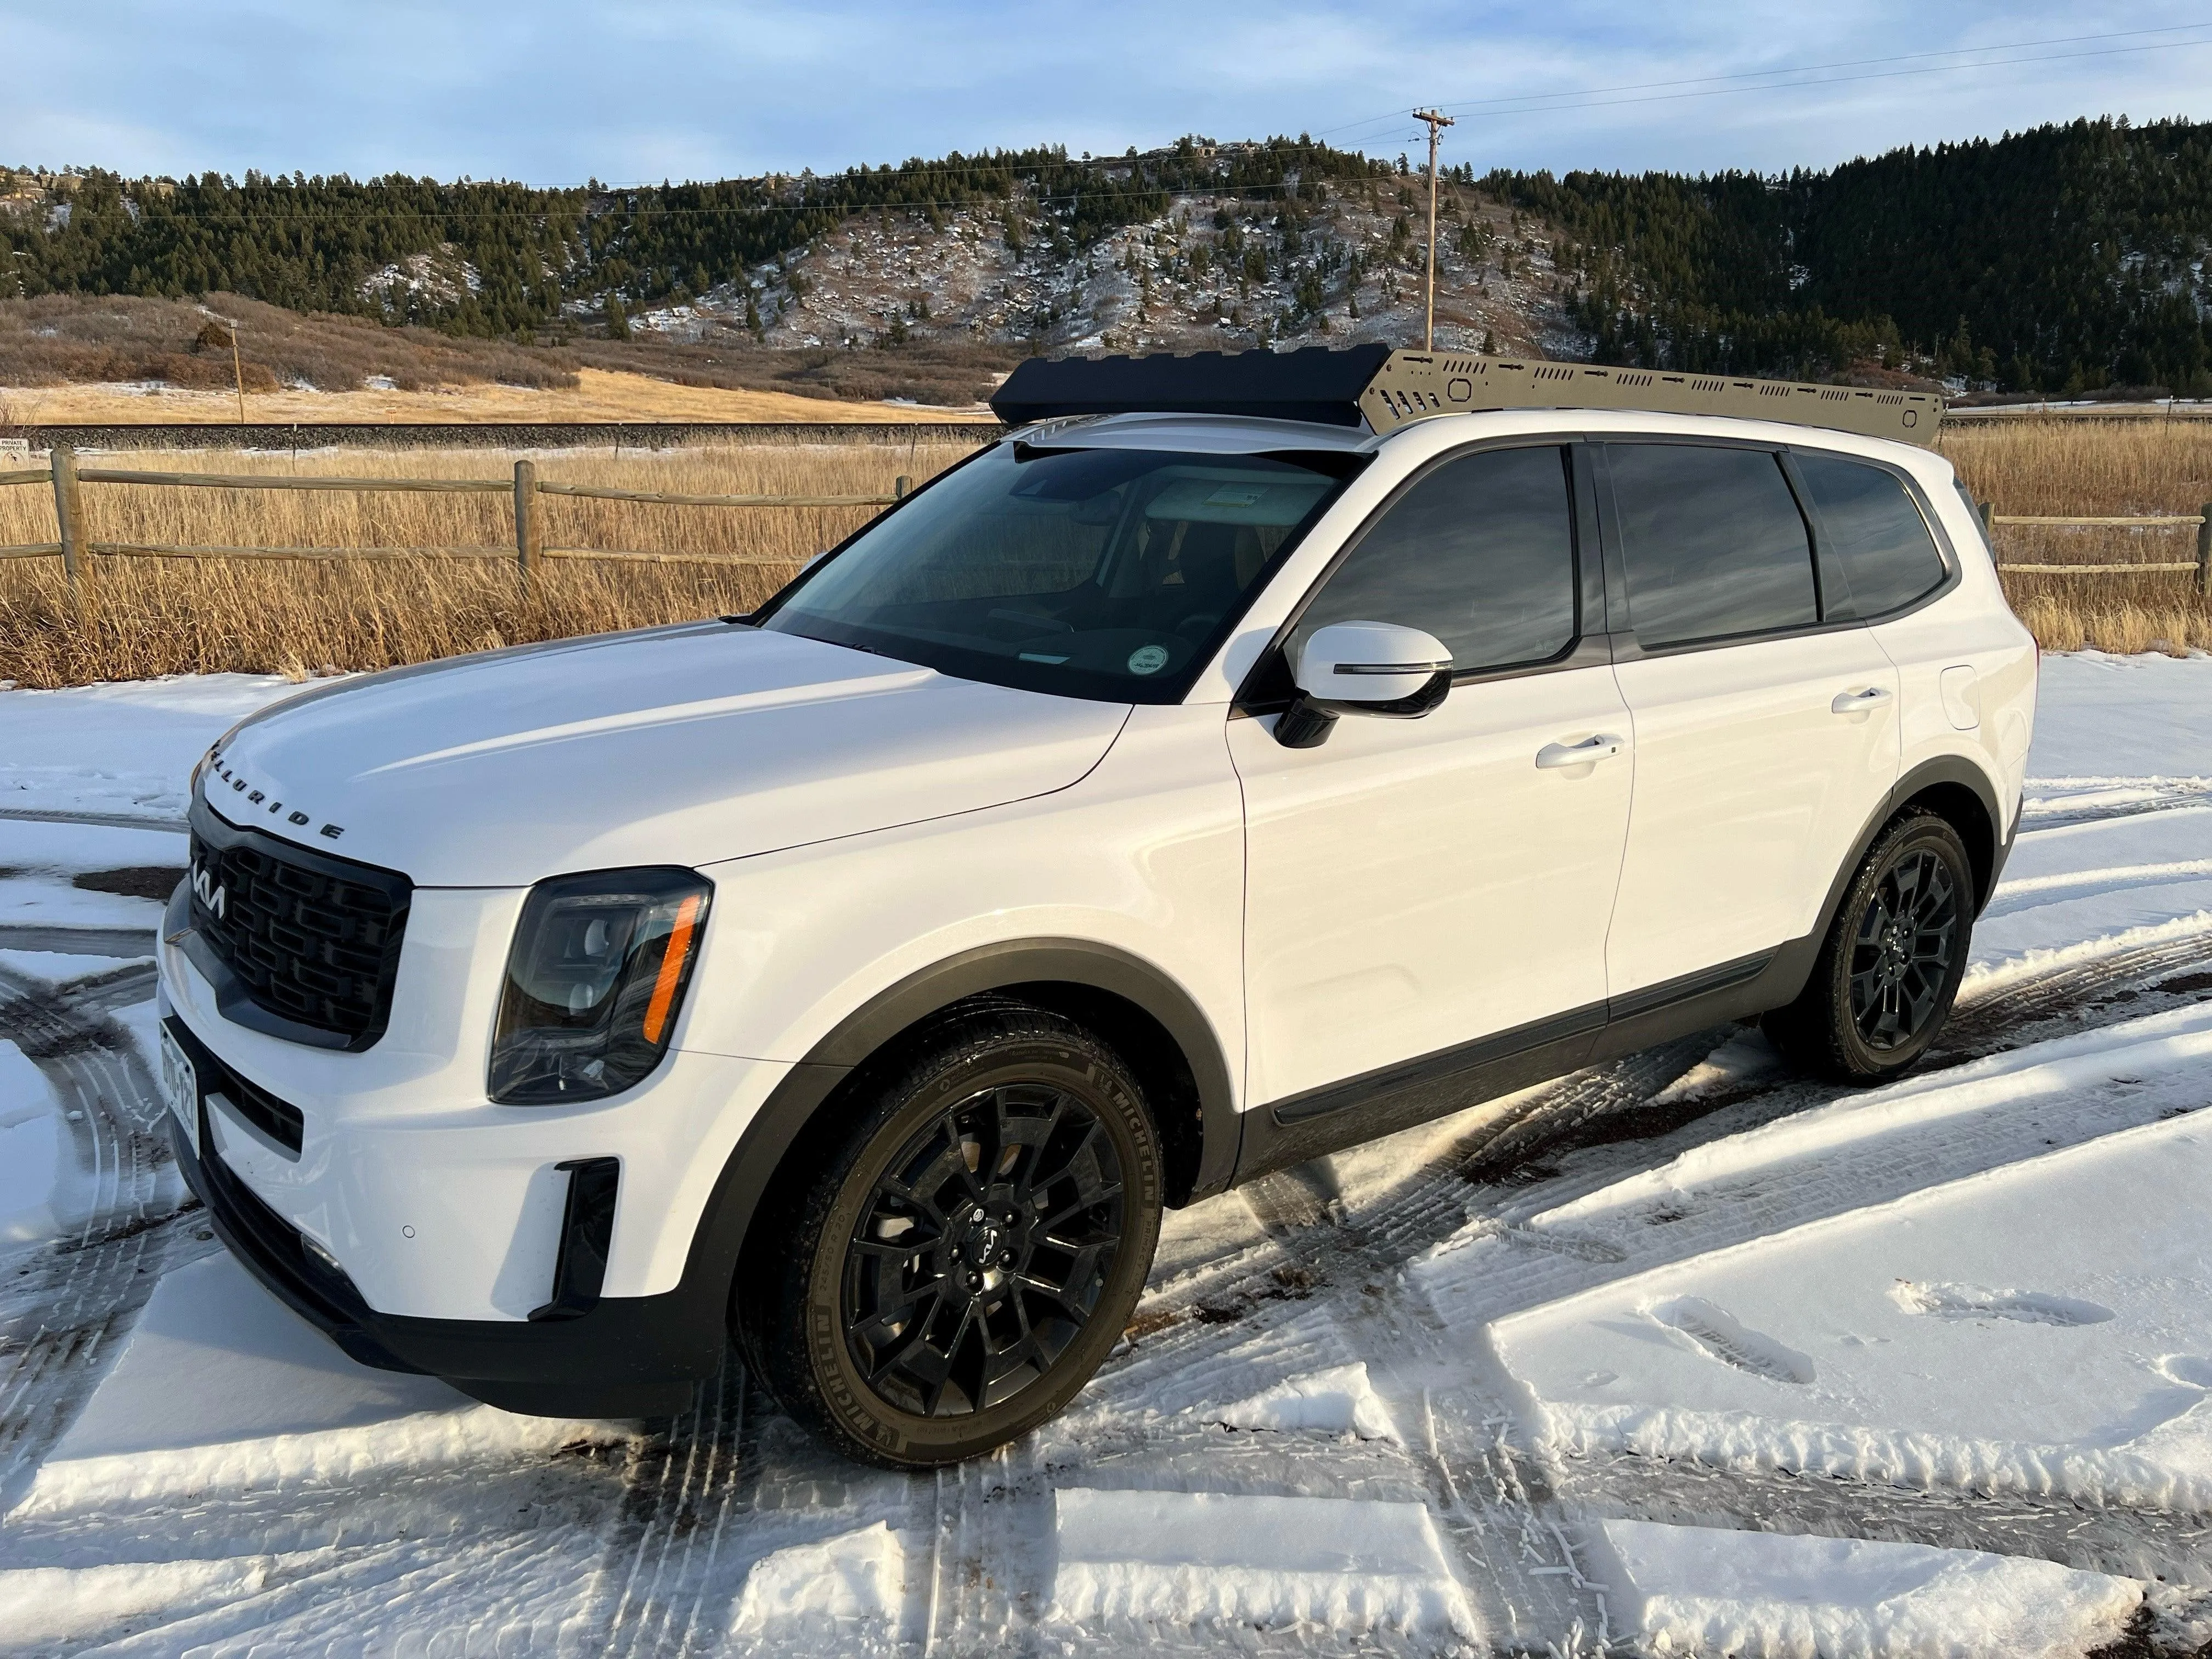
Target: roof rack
point(1387, 389)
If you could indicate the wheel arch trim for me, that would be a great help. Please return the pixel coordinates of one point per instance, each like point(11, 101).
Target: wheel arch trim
point(1793, 964)
point(1081, 965)
point(1955, 772)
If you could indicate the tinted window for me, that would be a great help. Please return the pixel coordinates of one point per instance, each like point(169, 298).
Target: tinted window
point(1869, 526)
point(1479, 553)
point(1109, 573)
point(1713, 541)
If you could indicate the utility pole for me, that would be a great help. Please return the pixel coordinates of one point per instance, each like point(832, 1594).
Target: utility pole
point(237, 370)
point(1436, 123)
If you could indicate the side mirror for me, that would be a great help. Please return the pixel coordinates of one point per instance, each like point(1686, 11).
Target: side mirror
point(1362, 668)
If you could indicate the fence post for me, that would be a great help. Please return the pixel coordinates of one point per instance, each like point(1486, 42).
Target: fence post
point(902, 487)
point(2204, 552)
point(529, 534)
point(68, 514)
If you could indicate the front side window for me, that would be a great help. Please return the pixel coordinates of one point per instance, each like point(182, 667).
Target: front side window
point(1872, 533)
point(1479, 553)
point(1107, 574)
point(1712, 541)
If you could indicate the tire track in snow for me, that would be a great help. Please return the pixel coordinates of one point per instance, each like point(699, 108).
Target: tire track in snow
point(2061, 811)
point(176, 824)
point(1526, 1540)
point(79, 1292)
point(659, 1591)
point(1991, 1020)
point(2152, 1545)
point(1518, 1547)
point(668, 1580)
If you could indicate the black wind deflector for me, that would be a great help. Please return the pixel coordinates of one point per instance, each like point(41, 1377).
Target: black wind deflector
point(1314, 384)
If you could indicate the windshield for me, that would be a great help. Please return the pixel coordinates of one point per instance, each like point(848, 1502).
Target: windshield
point(1106, 574)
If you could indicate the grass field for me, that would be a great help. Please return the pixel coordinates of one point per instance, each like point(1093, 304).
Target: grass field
point(2035, 468)
point(146, 617)
point(597, 395)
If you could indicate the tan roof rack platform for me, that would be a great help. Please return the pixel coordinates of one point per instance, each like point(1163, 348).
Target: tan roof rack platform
point(1413, 384)
point(1387, 389)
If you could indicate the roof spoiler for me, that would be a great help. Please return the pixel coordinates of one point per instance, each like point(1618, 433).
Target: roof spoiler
point(1386, 389)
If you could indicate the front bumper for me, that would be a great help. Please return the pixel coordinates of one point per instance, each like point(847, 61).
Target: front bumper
point(441, 1204)
point(620, 1357)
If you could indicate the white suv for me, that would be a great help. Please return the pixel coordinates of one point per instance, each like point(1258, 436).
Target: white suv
point(1153, 800)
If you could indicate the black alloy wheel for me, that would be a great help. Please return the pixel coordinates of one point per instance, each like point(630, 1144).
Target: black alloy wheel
point(1901, 958)
point(1888, 969)
point(961, 1244)
point(983, 1251)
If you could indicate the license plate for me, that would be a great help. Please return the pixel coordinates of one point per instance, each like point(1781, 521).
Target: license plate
point(180, 1084)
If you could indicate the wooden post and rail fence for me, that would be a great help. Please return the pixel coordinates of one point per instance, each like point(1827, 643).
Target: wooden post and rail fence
point(76, 550)
point(529, 552)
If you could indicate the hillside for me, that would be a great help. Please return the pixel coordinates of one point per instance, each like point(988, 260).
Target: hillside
point(2052, 261)
point(921, 284)
point(74, 357)
point(1210, 270)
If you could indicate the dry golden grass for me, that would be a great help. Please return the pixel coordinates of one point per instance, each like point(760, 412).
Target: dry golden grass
point(598, 395)
point(143, 616)
point(146, 617)
point(2036, 468)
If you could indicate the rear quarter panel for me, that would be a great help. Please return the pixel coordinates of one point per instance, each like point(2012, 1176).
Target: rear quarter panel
point(1971, 627)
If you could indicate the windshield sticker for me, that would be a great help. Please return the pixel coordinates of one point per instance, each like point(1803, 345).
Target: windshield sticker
point(1278, 501)
point(1148, 659)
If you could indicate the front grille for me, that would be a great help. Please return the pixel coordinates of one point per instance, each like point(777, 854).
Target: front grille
point(310, 938)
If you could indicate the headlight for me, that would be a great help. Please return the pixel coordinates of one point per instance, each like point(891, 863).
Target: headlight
point(594, 982)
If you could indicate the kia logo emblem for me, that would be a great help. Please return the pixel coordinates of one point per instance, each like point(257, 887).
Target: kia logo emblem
point(208, 893)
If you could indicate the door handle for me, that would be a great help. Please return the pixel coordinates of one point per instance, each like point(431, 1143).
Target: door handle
point(1859, 702)
point(1552, 756)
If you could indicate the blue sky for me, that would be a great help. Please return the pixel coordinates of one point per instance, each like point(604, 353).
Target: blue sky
point(558, 91)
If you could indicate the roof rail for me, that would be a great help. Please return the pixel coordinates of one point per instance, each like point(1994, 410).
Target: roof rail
point(1387, 389)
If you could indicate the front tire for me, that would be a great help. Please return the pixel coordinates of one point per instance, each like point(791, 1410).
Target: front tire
point(969, 1250)
point(1889, 968)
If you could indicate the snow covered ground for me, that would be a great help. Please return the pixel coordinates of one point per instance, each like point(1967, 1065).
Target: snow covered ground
point(1680, 1354)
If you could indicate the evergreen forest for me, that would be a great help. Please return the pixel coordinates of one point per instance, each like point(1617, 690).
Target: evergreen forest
point(2065, 258)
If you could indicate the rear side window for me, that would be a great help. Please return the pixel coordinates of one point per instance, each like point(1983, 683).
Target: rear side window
point(1713, 542)
point(1872, 533)
point(1479, 553)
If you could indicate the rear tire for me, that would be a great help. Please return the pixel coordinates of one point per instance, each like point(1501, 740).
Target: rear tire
point(1890, 966)
point(963, 1257)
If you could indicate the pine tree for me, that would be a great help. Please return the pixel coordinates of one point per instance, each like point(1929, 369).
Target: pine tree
point(618, 320)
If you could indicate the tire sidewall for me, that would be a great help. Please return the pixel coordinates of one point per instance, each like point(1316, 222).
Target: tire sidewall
point(1067, 1060)
point(1923, 832)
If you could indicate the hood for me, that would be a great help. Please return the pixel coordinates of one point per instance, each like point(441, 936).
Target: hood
point(681, 745)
